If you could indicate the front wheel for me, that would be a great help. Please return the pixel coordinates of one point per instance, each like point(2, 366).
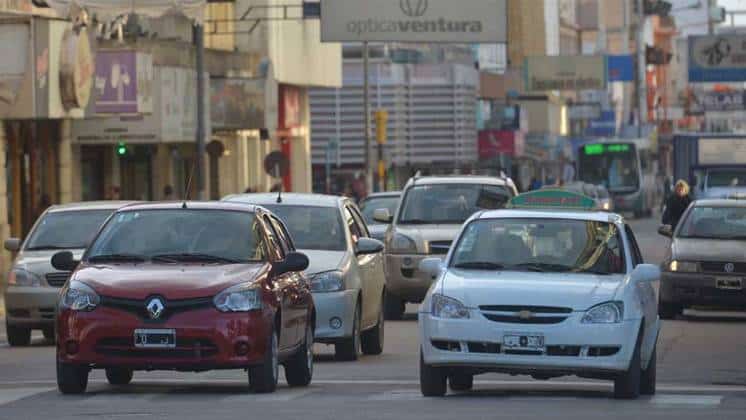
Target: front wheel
point(372, 340)
point(627, 384)
point(263, 378)
point(299, 369)
point(48, 334)
point(119, 376)
point(461, 382)
point(349, 349)
point(18, 336)
point(670, 311)
point(649, 375)
point(71, 379)
point(393, 307)
point(432, 380)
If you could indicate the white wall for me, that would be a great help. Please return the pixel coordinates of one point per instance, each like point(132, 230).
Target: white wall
point(552, 23)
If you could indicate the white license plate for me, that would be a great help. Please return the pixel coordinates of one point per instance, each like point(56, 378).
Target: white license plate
point(155, 338)
point(523, 342)
point(729, 283)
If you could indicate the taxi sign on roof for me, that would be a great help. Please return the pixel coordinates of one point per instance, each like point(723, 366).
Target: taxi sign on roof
point(553, 199)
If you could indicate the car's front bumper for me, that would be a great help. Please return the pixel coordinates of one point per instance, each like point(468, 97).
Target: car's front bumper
point(205, 339)
point(331, 307)
point(700, 289)
point(404, 279)
point(480, 346)
point(31, 307)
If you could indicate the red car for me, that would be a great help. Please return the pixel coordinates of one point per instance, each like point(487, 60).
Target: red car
point(186, 287)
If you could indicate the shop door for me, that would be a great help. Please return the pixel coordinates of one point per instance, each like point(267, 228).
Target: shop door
point(93, 164)
point(137, 175)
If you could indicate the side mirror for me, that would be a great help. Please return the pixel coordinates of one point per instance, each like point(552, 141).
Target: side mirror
point(64, 261)
point(382, 216)
point(367, 246)
point(666, 230)
point(431, 267)
point(294, 262)
point(646, 273)
point(13, 244)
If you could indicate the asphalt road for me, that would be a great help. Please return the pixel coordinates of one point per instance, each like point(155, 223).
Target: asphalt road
point(701, 374)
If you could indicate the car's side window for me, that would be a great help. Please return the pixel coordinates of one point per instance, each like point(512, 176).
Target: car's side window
point(359, 220)
point(636, 254)
point(352, 225)
point(282, 233)
point(274, 241)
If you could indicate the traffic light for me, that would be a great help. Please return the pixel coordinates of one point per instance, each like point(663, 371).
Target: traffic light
point(382, 119)
point(656, 56)
point(122, 149)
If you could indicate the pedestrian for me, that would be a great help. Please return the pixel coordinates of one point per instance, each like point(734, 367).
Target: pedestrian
point(568, 172)
point(168, 193)
point(677, 204)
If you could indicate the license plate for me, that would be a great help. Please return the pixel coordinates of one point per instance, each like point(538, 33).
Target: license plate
point(155, 339)
point(729, 283)
point(523, 342)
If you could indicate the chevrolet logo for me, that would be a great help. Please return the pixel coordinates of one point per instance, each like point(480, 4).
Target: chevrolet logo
point(525, 315)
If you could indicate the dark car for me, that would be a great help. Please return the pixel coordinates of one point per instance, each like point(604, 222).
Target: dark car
point(189, 287)
point(706, 263)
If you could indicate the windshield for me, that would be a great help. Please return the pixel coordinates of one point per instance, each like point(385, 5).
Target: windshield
point(450, 203)
point(714, 223)
point(726, 178)
point(175, 235)
point(313, 228)
point(66, 230)
point(542, 245)
point(616, 168)
point(372, 204)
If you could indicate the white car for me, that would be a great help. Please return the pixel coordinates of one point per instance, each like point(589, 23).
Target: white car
point(541, 292)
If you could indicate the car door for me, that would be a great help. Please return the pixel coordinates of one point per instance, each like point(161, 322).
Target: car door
point(370, 269)
point(283, 287)
point(646, 291)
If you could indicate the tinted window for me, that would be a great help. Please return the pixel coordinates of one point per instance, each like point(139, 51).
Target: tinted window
point(715, 223)
point(450, 203)
point(313, 228)
point(371, 205)
point(726, 178)
point(67, 230)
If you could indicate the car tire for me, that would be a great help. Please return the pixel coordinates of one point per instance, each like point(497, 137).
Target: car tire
point(461, 382)
point(372, 340)
point(49, 334)
point(649, 375)
point(670, 311)
point(433, 380)
point(119, 376)
point(349, 349)
point(18, 336)
point(393, 307)
point(299, 369)
point(627, 384)
point(263, 378)
point(71, 379)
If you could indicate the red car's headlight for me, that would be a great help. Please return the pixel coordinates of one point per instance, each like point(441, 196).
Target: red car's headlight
point(79, 297)
point(241, 298)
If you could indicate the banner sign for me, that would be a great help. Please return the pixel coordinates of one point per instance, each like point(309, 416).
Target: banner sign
point(725, 151)
point(621, 68)
point(701, 102)
point(124, 81)
point(584, 111)
point(565, 73)
point(717, 58)
point(483, 21)
point(238, 103)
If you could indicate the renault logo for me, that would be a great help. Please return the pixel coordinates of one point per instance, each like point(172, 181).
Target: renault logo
point(730, 267)
point(525, 315)
point(413, 8)
point(155, 308)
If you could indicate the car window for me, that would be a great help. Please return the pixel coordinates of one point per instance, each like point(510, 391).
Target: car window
point(352, 225)
point(311, 227)
point(66, 230)
point(287, 243)
point(707, 222)
point(369, 206)
point(274, 239)
point(359, 221)
point(449, 203)
point(636, 254)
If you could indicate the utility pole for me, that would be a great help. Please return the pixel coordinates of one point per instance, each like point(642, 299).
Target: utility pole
point(199, 40)
point(642, 90)
point(366, 112)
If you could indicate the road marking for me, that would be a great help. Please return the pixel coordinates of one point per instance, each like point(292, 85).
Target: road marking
point(695, 400)
point(10, 395)
point(397, 395)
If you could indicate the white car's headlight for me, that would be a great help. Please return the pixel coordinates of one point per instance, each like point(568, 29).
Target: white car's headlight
point(449, 308)
point(241, 298)
point(683, 267)
point(605, 313)
point(79, 297)
point(23, 278)
point(402, 244)
point(331, 281)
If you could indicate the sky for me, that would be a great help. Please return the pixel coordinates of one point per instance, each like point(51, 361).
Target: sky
point(734, 5)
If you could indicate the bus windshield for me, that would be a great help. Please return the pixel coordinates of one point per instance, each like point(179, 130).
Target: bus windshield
point(614, 166)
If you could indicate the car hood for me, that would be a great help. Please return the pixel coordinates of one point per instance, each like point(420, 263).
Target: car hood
point(40, 262)
point(577, 291)
point(423, 234)
point(321, 261)
point(184, 281)
point(708, 250)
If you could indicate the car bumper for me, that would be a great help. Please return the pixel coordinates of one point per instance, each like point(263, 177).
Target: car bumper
point(700, 289)
point(339, 305)
point(205, 339)
point(404, 279)
point(480, 346)
point(32, 307)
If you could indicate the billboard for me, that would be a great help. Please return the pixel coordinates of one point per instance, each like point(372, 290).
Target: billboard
point(482, 21)
point(717, 58)
point(124, 82)
point(701, 102)
point(565, 73)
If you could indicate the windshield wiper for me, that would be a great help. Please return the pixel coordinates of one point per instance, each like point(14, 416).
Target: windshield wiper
point(479, 265)
point(195, 257)
point(415, 222)
point(542, 267)
point(117, 258)
point(51, 247)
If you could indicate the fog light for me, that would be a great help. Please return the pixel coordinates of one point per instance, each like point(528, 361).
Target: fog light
point(335, 323)
point(407, 262)
point(242, 348)
point(71, 347)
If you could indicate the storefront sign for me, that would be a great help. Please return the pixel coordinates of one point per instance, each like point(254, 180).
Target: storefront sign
point(238, 104)
point(483, 21)
point(701, 102)
point(76, 69)
point(584, 112)
point(493, 143)
point(565, 73)
point(717, 58)
point(124, 82)
point(731, 151)
point(604, 126)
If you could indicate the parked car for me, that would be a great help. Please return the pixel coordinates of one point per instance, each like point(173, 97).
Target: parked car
point(387, 200)
point(186, 287)
point(33, 284)
point(346, 271)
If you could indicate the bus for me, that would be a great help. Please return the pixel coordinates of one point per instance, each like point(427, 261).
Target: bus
point(626, 169)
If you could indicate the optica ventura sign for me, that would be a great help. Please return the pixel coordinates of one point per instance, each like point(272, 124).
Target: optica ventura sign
point(482, 21)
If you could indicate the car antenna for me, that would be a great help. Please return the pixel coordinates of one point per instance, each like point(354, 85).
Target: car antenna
point(279, 194)
point(188, 187)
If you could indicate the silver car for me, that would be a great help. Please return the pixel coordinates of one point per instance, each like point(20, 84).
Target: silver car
point(373, 202)
point(33, 285)
point(346, 270)
point(429, 217)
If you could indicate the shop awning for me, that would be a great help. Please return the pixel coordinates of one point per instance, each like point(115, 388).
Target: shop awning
point(110, 9)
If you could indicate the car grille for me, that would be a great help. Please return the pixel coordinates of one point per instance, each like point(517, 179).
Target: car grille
point(57, 279)
point(185, 348)
point(440, 247)
point(553, 351)
point(525, 314)
point(719, 267)
point(172, 307)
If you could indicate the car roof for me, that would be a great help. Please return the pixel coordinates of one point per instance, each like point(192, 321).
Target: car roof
point(720, 202)
point(195, 205)
point(291, 199)
point(593, 216)
point(459, 179)
point(90, 205)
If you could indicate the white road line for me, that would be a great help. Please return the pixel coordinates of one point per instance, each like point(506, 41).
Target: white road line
point(10, 395)
point(396, 395)
point(694, 400)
